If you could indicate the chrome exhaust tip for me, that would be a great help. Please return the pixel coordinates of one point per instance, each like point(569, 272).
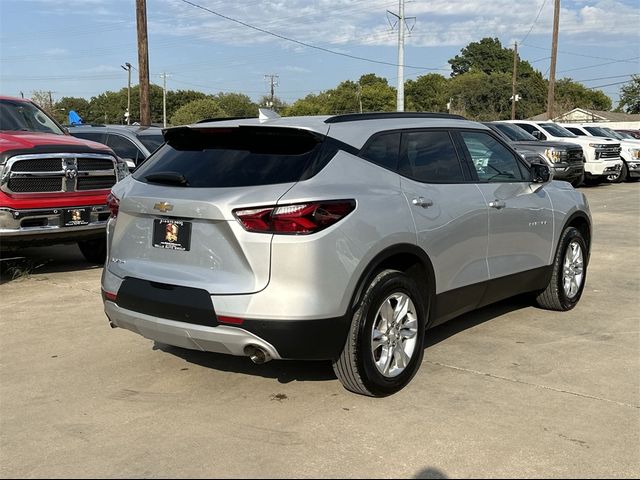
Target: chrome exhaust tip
point(257, 354)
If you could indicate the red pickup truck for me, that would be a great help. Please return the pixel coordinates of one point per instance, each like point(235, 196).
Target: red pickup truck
point(53, 187)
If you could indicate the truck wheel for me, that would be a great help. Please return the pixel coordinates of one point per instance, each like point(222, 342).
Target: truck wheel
point(576, 182)
point(94, 251)
point(384, 346)
point(619, 176)
point(569, 273)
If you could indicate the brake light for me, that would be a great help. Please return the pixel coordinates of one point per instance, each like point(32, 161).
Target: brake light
point(112, 297)
point(297, 219)
point(113, 204)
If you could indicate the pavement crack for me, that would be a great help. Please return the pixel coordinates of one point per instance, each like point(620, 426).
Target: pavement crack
point(545, 387)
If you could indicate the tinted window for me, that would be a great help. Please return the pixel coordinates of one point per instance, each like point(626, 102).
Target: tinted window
point(25, 116)
point(93, 136)
point(492, 160)
point(514, 132)
point(430, 157)
point(124, 148)
point(577, 131)
point(238, 157)
point(151, 142)
point(529, 128)
point(383, 150)
point(557, 130)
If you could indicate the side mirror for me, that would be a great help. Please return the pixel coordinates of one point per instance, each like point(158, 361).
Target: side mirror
point(537, 134)
point(540, 173)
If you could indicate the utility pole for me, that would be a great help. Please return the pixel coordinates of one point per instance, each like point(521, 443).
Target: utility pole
point(359, 94)
point(554, 57)
point(127, 67)
point(513, 82)
point(401, 26)
point(164, 99)
point(143, 61)
point(273, 80)
point(50, 101)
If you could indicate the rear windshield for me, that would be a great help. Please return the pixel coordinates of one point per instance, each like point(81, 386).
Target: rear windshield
point(234, 157)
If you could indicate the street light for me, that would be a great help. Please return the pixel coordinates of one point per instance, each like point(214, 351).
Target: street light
point(128, 69)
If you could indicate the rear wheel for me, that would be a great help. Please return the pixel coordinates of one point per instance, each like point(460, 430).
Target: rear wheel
point(569, 273)
point(384, 347)
point(94, 251)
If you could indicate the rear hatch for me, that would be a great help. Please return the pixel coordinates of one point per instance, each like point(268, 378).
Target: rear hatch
point(175, 223)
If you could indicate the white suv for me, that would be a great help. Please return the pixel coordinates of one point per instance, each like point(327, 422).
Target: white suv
point(602, 157)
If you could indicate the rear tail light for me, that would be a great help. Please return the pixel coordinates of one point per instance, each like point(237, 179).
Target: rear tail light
point(112, 297)
point(297, 219)
point(113, 204)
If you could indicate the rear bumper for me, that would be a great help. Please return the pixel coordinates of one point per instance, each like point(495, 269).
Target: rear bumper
point(321, 339)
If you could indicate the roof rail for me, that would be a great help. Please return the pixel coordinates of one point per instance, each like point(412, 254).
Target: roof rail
point(222, 119)
point(354, 117)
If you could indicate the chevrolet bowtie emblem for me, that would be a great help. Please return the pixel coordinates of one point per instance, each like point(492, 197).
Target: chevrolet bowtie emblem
point(163, 207)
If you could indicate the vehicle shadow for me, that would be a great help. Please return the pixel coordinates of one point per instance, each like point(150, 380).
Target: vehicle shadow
point(23, 263)
point(319, 371)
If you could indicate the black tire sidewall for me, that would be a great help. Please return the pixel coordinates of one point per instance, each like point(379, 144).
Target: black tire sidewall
point(94, 251)
point(570, 234)
point(374, 381)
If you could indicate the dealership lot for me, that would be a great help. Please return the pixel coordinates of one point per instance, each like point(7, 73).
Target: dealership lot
point(509, 390)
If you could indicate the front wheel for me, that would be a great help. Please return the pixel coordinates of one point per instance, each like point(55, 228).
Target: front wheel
point(569, 273)
point(619, 176)
point(384, 347)
point(94, 251)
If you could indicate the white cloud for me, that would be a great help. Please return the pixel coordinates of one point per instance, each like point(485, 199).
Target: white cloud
point(438, 23)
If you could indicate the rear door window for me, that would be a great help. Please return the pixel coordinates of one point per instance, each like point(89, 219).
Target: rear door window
point(430, 157)
point(238, 156)
point(124, 148)
point(93, 136)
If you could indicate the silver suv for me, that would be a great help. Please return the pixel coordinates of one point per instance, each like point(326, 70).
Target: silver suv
point(340, 238)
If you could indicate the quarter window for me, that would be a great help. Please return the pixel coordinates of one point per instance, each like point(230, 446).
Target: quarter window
point(383, 150)
point(430, 157)
point(492, 160)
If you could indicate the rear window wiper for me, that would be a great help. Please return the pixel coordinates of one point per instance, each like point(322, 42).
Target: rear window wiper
point(167, 178)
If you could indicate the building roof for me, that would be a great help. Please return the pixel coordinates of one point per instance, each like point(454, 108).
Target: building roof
point(595, 115)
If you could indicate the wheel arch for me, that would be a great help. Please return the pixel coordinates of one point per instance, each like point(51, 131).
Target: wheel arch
point(407, 258)
point(582, 223)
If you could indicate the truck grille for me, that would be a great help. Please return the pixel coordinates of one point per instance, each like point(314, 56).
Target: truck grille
point(58, 172)
point(609, 152)
point(575, 156)
point(35, 184)
point(96, 183)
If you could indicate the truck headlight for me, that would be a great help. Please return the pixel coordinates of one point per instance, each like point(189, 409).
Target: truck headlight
point(122, 170)
point(598, 145)
point(635, 153)
point(554, 155)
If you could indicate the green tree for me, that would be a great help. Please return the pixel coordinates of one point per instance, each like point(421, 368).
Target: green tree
point(480, 96)
point(43, 99)
point(279, 105)
point(570, 95)
point(197, 110)
point(237, 104)
point(427, 93)
point(63, 106)
point(630, 95)
point(488, 56)
point(178, 98)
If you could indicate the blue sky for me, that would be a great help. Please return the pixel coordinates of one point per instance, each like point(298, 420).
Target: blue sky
point(76, 47)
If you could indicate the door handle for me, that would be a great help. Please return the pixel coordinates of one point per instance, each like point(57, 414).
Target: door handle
point(497, 204)
point(421, 202)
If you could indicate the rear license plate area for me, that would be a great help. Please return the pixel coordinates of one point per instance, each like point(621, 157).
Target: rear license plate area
point(172, 234)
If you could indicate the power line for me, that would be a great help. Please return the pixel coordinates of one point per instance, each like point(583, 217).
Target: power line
point(606, 85)
point(535, 21)
point(573, 53)
point(599, 65)
point(304, 44)
point(606, 78)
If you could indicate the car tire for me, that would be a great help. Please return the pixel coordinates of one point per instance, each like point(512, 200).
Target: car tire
point(569, 273)
point(382, 352)
point(94, 251)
